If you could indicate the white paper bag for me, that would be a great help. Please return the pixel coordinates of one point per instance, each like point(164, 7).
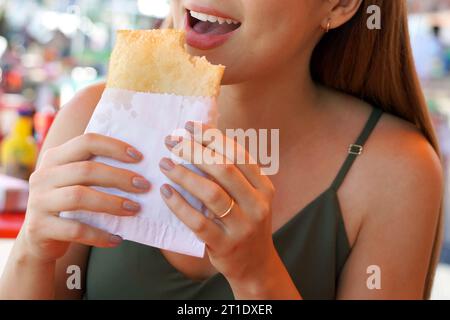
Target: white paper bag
point(144, 120)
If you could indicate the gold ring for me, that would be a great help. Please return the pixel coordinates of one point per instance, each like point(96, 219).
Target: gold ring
point(223, 215)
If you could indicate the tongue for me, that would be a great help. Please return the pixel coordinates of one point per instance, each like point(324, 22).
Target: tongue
point(213, 28)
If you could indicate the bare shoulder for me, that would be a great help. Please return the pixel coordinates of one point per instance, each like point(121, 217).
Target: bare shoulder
point(73, 117)
point(396, 156)
point(398, 205)
point(405, 166)
point(391, 203)
point(398, 161)
point(398, 177)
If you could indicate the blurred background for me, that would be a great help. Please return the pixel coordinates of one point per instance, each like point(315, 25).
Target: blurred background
point(50, 49)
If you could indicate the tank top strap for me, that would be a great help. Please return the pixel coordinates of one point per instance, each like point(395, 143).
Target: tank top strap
point(356, 149)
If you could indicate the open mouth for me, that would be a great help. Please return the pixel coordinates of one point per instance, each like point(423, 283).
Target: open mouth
point(206, 24)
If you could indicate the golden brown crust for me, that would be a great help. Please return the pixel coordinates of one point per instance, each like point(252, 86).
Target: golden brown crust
point(156, 61)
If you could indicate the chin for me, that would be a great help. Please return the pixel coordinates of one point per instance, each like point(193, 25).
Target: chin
point(233, 73)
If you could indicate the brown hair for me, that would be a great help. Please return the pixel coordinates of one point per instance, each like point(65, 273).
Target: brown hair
point(378, 67)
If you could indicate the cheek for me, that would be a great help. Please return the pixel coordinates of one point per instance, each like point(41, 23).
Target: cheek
point(277, 33)
point(277, 21)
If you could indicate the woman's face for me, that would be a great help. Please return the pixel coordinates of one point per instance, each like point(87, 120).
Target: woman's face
point(259, 37)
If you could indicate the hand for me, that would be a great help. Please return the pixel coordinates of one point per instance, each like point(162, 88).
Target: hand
point(240, 245)
point(61, 183)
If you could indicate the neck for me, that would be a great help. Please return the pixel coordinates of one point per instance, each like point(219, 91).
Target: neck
point(278, 100)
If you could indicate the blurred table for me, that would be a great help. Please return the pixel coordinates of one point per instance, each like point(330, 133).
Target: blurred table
point(13, 203)
point(10, 224)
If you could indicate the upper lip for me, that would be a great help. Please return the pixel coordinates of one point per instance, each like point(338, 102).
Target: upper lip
point(210, 11)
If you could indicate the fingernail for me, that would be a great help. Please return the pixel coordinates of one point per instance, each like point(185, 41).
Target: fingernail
point(171, 141)
point(115, 240)
point(166, 191)
point(166, 164)
point(189, 126)
point(141, 183)
point(131, 206)
point(133, 153)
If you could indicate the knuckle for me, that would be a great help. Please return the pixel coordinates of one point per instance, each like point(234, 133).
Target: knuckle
point(76, 232)
point(213, 195)
point(85, 168)
point(35, 179)
point(39, 178)
point(178, 173)
point(262, 211)
point(89, 138)
point(177, 205)
point(48, 154)
point(200, 225)
point(225, 169)
point(75, 196)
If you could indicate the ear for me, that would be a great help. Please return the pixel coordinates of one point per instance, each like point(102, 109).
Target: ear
point(340, 12)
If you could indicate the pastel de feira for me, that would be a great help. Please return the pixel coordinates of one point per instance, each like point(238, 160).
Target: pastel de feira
point(153, 88)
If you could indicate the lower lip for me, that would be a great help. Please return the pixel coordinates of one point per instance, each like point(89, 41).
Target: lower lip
point(204, 41)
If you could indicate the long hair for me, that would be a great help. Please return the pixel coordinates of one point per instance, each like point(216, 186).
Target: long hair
point(377, 66)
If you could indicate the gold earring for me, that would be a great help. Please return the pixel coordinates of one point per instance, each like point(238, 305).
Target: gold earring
point(328, 26)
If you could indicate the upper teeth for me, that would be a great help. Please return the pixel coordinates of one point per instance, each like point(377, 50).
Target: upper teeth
point(206, 17)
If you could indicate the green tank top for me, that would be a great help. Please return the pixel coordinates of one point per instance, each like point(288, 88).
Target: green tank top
point(313, 246)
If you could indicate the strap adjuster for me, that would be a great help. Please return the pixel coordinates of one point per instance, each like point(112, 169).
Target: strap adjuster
point(355, 149)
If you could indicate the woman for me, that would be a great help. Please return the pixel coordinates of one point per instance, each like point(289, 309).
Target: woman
point(314, 70)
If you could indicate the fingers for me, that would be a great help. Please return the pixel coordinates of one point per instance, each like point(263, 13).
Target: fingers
point(89, 173)
point(73, 231)
point(208, 192)
point(227, 175)
point(205, 229)
point(85, 146)
point(81, 198)
point(232, 150)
